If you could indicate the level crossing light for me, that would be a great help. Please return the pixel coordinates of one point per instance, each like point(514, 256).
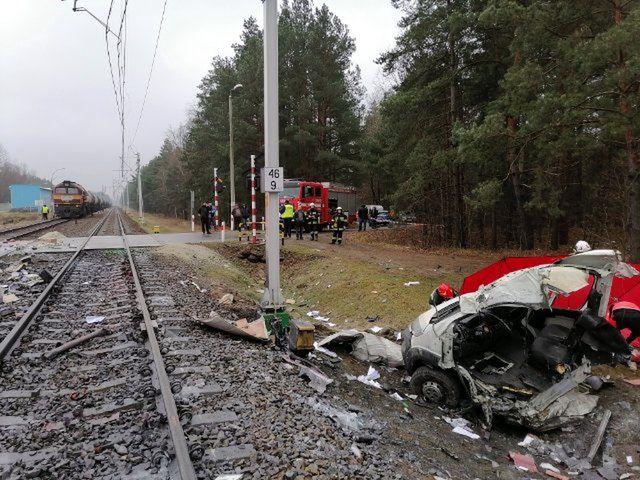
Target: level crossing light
point(232, 181)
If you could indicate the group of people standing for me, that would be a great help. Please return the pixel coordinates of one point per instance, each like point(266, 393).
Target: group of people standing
point(310, 219)
point(299, 219)
point(207, 213)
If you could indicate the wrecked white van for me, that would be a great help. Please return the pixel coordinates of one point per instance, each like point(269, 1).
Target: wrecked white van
point(507, 350)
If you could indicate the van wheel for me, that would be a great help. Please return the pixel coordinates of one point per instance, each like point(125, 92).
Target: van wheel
point(436, 386)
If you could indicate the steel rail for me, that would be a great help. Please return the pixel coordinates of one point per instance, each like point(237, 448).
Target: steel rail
point(38, 226)
point(185, 466)
point(18, 329)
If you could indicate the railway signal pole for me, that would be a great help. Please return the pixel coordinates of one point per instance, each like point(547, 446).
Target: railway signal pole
point(271, 177)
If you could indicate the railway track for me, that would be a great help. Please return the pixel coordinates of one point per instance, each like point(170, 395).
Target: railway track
point(108, 376)
point(19, 232)
point(102, 408)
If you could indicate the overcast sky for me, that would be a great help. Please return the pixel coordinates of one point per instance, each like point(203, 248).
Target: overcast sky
point(57, 106)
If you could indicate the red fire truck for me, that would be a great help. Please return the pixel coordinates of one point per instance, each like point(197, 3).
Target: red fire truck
point(326, 196)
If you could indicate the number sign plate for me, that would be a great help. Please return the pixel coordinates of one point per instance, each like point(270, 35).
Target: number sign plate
point(271, 179)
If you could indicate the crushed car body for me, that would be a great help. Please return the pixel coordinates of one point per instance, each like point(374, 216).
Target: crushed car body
point(509, 351)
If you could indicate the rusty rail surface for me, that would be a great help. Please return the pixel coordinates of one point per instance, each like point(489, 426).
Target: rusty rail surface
point(23, 231)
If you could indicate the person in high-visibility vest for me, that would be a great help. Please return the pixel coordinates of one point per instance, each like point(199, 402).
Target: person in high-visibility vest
point(286, 213)
point(45, 212)
point(338, 224)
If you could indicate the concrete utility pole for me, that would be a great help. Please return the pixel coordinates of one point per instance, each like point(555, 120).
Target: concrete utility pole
point(216, 202)
point(140, 205)
point(272, 298)
point(232, 176)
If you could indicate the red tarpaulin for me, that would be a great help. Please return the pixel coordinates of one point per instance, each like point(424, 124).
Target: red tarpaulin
point(623, 289)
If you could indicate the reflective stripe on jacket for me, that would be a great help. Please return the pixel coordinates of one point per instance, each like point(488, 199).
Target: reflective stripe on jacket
point(288, 211)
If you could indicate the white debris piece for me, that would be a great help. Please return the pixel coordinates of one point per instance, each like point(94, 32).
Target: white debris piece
point(409, 284)
point(376, 329)
point(548, 466)
point(629, 459)
point(313, 313)
point(466, 433)
point(321, 318)
point(92, 319)
point(370, 378)
point(528, 440)
point(323, 350)
point(367, 347)
point(396, 396)
point(331, 324)
point(461, 427)
point(9, 298)
point(226, 299)
point(399, 336)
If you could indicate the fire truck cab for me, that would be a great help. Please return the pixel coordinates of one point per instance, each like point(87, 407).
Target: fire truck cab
point(325, 195)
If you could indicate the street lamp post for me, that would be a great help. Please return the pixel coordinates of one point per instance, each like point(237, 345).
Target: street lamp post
point(232, 181)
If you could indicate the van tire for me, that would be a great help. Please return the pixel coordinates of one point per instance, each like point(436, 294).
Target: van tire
point(436, 386)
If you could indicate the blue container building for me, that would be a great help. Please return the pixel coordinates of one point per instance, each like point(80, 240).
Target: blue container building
point(29, 197)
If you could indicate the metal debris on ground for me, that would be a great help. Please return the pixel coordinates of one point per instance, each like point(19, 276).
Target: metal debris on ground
point(409, 284)
point(367, 347)
point(256, 330)
point(317, 380)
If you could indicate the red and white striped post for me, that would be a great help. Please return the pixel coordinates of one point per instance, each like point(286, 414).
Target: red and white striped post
point(254, 238)
point(215, 197)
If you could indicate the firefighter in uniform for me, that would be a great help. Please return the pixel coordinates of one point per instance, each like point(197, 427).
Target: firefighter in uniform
point(313, 219)
point(338, 224)
point(45, 212)
point(286, 214)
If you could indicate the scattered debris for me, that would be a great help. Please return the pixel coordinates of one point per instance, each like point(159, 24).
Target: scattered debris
point(9, 298)
point(370, 378)
point(376, 329)
point(324, 351)
point(290, 301)
point(595, 446)
point(317, 380)
point(256, 330)
point(367, 347)
point(409, 284)
point(92, 319)
point(633, 381)
point(226, 299)
point(554, 474)
point(397, 396)
point(461, 427)
point(548, 466)
point(525, 463)
point(45, 275)
point(75, 342)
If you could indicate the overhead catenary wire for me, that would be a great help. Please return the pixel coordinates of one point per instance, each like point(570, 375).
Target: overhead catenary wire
point(153, 62)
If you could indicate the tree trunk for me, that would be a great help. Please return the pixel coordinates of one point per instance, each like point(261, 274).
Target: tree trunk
point(630, 143)
point(525, 239)
point(454, 116)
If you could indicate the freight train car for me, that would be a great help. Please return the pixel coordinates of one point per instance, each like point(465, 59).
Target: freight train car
point(72, 200)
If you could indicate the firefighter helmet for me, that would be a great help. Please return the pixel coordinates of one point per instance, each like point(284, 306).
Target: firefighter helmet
point(339, 209)
point(581, 247)
point(312, 205)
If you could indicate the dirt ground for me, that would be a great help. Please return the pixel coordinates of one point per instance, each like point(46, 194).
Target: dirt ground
point(17, 219)
point(338, 281)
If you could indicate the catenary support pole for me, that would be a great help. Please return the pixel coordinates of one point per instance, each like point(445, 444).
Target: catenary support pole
point(253, 200)
point(215, 197)
point(193, 201)
point(140, 204)
point(272, 298)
